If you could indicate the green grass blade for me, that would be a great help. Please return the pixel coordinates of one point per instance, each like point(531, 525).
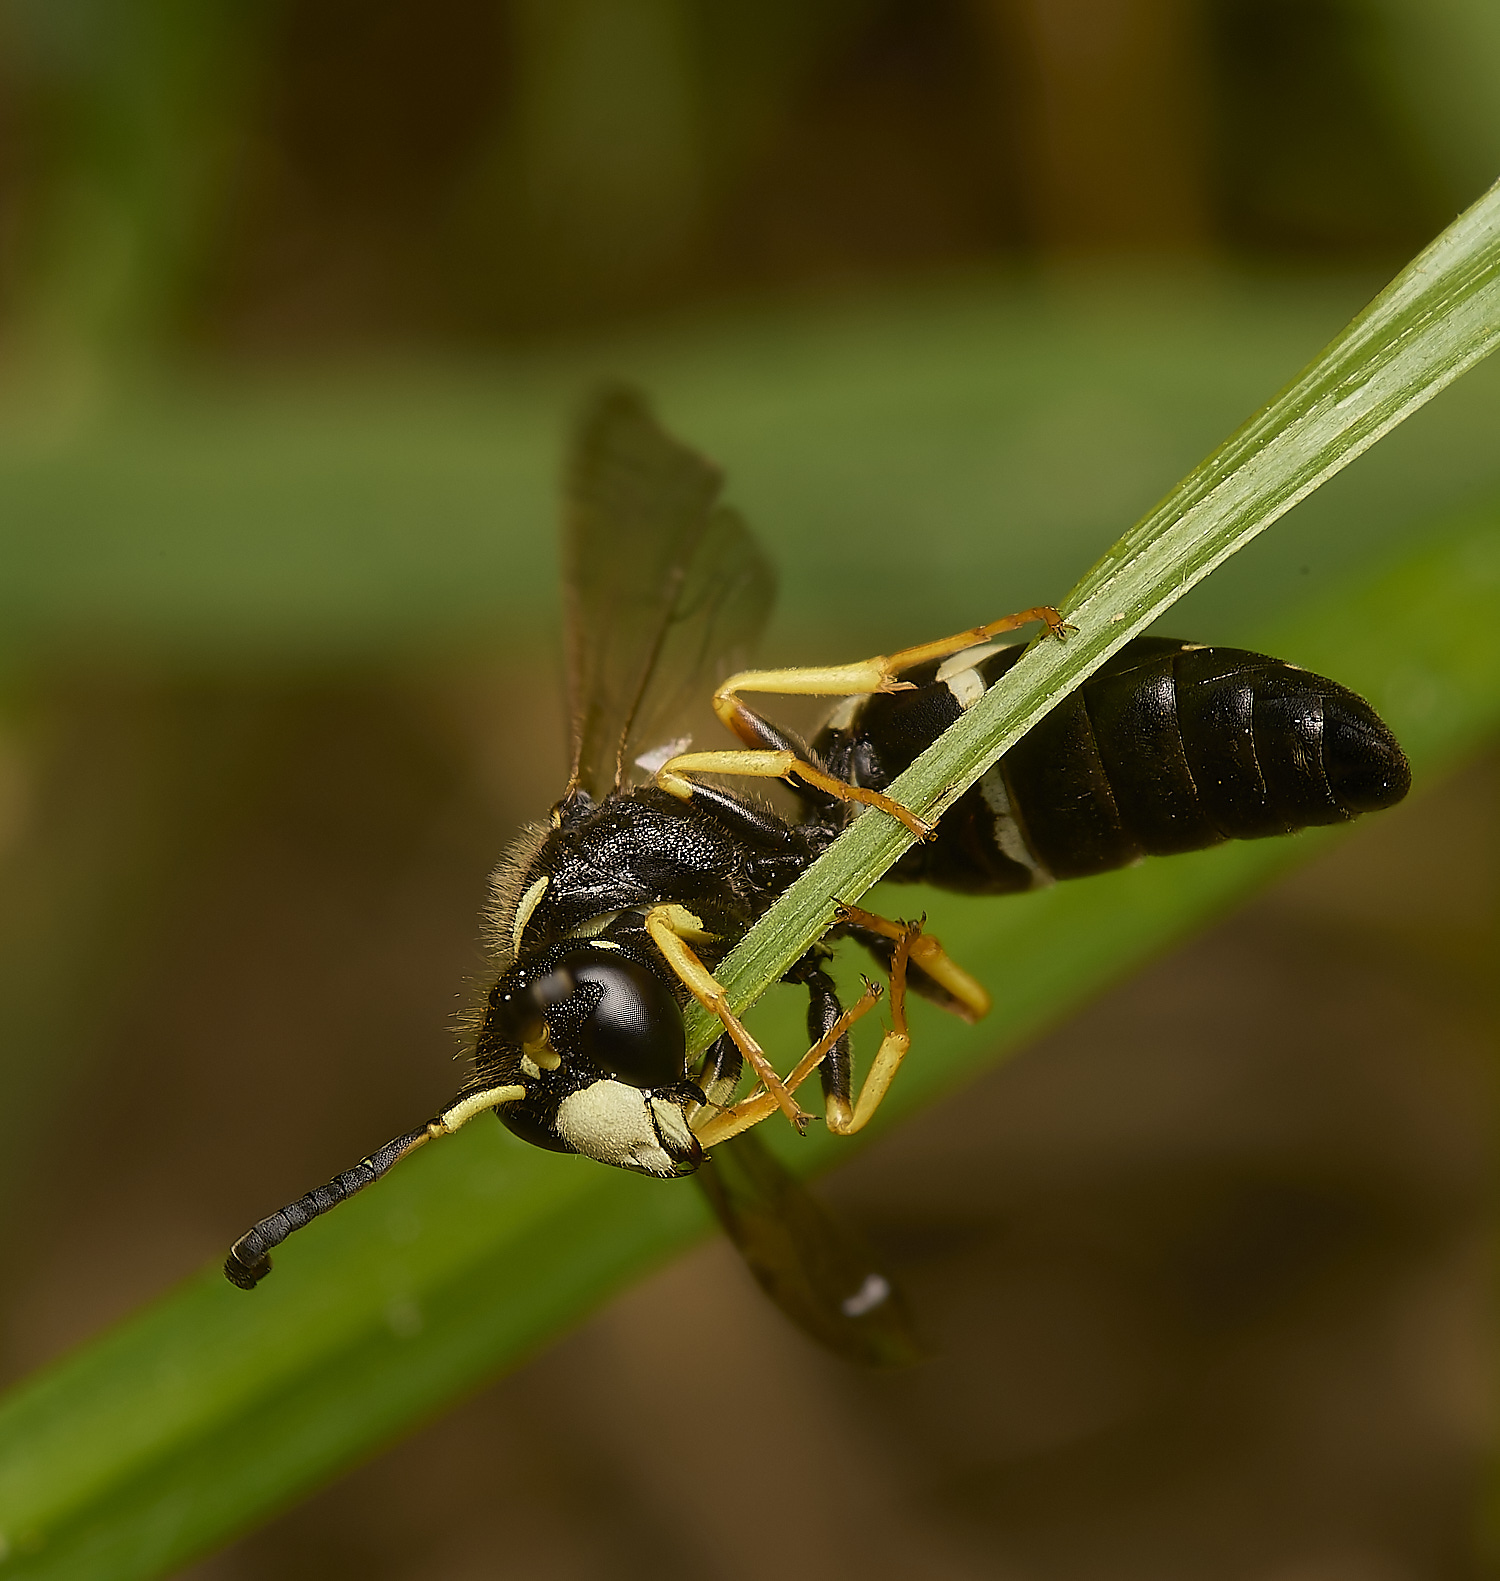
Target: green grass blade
point(1438, 318)
point(210, 1409)
point(366, 516)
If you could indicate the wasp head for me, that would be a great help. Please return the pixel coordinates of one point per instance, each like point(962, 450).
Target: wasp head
point(596, 1037)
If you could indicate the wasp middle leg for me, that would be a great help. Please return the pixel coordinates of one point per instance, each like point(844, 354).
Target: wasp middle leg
point(940, 977)
point(846, 1115)
point(780, 764)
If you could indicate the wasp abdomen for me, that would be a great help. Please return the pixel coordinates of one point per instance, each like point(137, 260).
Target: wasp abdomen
point(1173, 748)
point(1169, 747)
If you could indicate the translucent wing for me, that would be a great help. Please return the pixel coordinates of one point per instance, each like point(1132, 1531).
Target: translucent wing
point(817, 1269)
point(666, 590)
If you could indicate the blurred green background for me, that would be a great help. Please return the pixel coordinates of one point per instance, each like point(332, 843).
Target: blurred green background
point(296, 300)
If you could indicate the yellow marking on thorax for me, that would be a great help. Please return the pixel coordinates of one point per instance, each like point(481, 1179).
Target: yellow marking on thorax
point(529, 902)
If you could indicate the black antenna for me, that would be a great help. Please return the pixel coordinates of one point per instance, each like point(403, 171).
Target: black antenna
point(249, 1259)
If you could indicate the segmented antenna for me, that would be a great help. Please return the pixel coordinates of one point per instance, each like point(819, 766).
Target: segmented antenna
point(249, 1259)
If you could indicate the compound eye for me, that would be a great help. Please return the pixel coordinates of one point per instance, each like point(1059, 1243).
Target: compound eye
point(622, 1019)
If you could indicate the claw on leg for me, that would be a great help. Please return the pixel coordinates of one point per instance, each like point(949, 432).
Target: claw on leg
point(760, 1105)
point(971, 996)
point(844, 1120)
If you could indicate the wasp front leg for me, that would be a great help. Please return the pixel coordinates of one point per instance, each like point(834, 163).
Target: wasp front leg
point(761, 1104)
point(670, 927)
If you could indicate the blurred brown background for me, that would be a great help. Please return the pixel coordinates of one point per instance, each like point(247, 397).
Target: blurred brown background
point(1205, 1268)
point(312, 172)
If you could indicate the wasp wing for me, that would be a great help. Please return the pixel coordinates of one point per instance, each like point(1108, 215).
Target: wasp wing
point(816, 1268)
point(666, 590)
point(711, 632)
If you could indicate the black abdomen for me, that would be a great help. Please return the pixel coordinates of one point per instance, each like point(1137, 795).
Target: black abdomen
point(1168, 747)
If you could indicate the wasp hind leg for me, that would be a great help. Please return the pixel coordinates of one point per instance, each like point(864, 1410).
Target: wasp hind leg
point(879, 674)
point(956, 990)
point(771, 754)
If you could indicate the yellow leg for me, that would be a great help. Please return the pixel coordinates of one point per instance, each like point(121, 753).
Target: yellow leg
point(761, 1105)
point(665, 925)
point(871, 675)
point(944, 647)
point(844, 1121)
point(972, 996)
point(758, 764)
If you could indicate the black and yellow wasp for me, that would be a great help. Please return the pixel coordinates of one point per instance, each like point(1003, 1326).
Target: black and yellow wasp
point(608, 915)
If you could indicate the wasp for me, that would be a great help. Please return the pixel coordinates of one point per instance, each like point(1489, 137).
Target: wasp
point(608, 916)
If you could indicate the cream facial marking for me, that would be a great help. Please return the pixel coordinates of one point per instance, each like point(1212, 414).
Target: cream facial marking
point(671, 1124)
point(611, 1122)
